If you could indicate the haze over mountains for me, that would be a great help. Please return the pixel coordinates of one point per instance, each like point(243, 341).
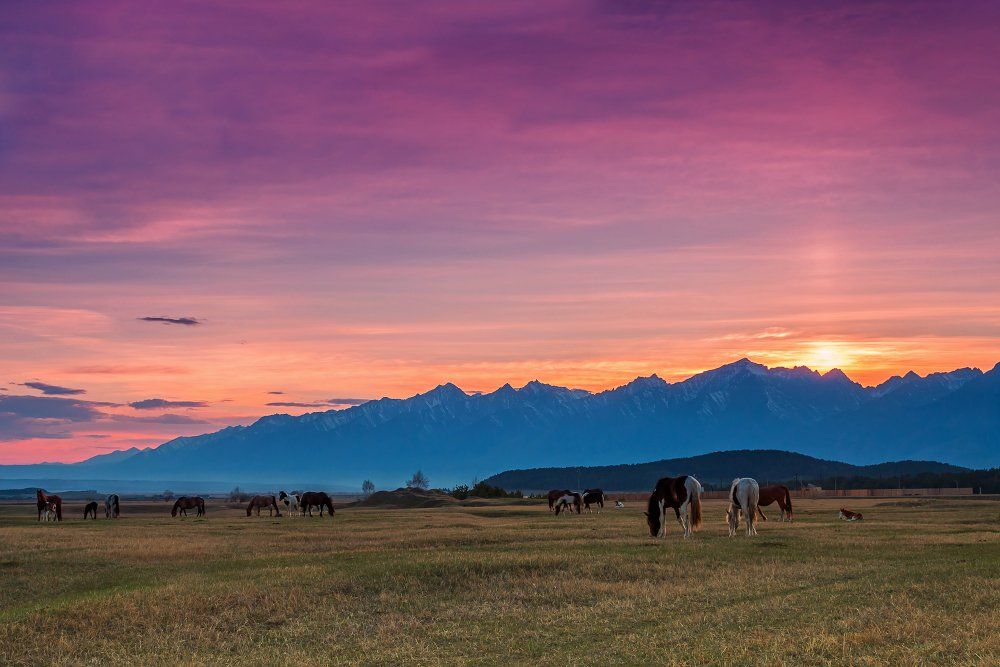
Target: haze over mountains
point(453, 436)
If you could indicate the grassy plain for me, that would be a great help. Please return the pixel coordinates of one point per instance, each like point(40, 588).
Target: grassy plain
point(915, 583)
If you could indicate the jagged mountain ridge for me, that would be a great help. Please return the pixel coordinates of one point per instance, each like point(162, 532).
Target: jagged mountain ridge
point(453, 436)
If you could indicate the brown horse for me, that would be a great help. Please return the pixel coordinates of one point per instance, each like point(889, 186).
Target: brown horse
point(258, 502)
point(318, 499)
point(555, 495)
point(185, 503)
point(683, 494)
point(43, 501)
point(90, 510)
point(776, 493)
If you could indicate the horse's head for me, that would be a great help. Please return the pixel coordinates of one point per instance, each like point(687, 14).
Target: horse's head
point(653, 517)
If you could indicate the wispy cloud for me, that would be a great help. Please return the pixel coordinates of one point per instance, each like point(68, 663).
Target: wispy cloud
point(53, 389)
point(158, 403)
point(295, 404)
point(185, 321)
point(347, 401)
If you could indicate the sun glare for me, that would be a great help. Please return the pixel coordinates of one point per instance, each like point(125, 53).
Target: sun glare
point(823, 356)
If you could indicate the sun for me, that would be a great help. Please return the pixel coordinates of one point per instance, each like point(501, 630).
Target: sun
point(822, 356)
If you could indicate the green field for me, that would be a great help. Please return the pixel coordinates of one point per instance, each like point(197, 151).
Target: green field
point(916, 582)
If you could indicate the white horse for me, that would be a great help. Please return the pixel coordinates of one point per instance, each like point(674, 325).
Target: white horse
point(50, 512)
point(290, 501)
point(744, 495)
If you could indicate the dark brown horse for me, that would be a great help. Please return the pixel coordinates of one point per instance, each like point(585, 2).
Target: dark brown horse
point(90, 510)
point(593, 497)
point(776, 493)
point(185, 503)
point(43, 501)
point(258, 502)
point(556, 494)
point(318, 499)
point(683, 494)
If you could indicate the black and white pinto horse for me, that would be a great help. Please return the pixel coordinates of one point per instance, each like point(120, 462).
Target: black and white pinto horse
point(683, 495)
point(744, 496)
point(290, 501)
point(569, 502)
point(111, 507)
point(593, 497)
point(619, 505)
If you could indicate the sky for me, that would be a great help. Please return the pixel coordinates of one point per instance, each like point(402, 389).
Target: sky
point(211, 212)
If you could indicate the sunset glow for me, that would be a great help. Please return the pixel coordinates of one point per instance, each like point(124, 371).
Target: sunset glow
point(296, 207)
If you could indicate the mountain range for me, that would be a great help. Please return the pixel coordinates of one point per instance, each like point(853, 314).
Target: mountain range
point(453, 436)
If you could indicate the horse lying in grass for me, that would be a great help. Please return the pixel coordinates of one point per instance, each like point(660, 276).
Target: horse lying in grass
point(185, 503)
point(848, 515)
point(312, 499)
point(90, 510)
point(43, 501)
point(258, 502)
point(569, 502)
point(744, 494)
point(776, 493)
point(683, 495)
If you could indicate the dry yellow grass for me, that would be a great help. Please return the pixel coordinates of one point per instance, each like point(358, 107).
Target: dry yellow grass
point(913, 584)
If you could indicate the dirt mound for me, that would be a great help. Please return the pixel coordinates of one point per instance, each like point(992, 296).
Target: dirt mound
point(407, 498)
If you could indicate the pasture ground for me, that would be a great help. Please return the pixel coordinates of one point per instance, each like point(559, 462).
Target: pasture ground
point(915, 583)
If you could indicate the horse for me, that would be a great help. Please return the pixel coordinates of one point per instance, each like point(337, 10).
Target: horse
point(744, 494)
point(111, 507)
point(318, 499)
point(683, 494)
point(184, 503)
point(90, 510)
point(555, 495)
point(848, 515)
point(776, 493)
point(257, 502)
point(51, 511)
point(595, 496)
point(43, 502)
point(619, 505)
point(291, 502)
point(569, 501)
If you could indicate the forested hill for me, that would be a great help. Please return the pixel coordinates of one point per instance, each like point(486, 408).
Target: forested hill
point(713, 470)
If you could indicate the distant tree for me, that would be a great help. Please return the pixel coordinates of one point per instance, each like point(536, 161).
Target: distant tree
point(419, 480)
point(168, 495)
point(367, 488)
point(461, 491)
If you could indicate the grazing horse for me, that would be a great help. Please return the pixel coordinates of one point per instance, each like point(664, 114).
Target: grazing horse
point(291, 502)
point(848, 515)
point(570, 501)
point(683, 494)
point(318, 499)
point(595, 496)
point(257, 502)
point(744, 494)
point(43, 501)
point(51, 511)
point(112, 507)
point(90, 510)
point(555, 495)
point(184, 503)
point(776, 493)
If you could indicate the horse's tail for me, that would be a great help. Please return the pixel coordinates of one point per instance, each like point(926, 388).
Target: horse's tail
point(694, 490)
point(788, 502)
point(249, 508)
